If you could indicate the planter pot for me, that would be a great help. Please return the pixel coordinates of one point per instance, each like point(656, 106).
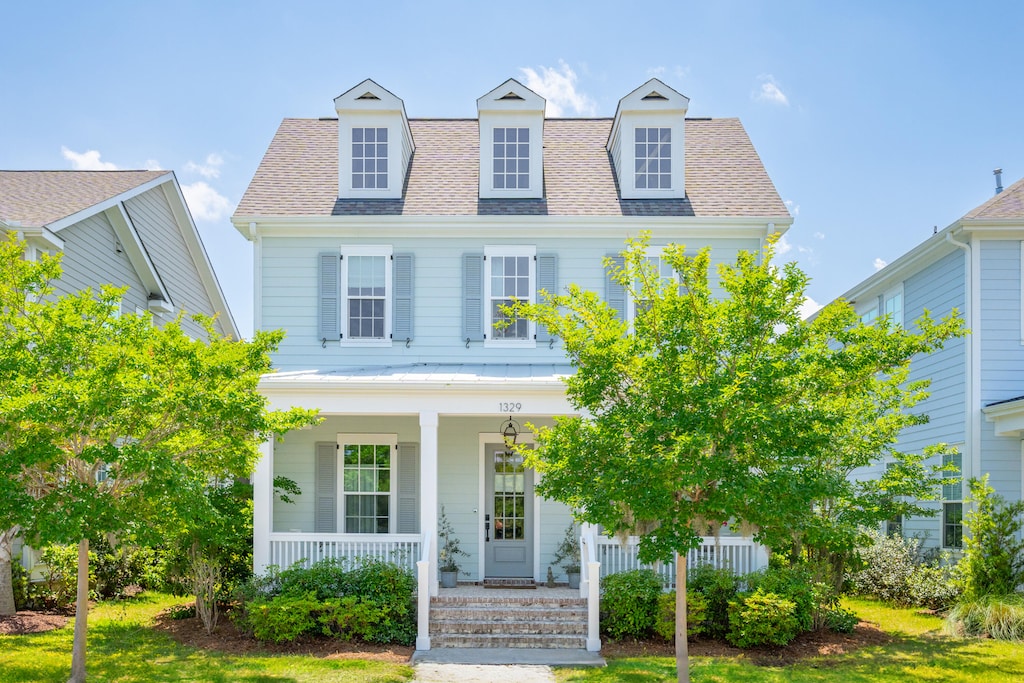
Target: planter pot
point(574, 579)
point(449, 579)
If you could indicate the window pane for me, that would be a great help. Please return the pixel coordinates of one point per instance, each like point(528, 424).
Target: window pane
point(370, 134)
point(499, 135)
point(382, 135)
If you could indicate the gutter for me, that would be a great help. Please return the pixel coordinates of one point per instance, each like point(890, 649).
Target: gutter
point(972, 359)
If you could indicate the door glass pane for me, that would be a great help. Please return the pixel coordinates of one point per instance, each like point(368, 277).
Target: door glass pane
point(509, 497)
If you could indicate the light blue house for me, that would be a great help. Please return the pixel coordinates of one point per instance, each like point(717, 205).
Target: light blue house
point(385, 245)
point(977, 383)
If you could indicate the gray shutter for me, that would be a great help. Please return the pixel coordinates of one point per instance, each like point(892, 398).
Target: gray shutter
point(615, 293)
point(547, 280)
point(408, 488)
point(329, 296)
point(325, 510)
point(402, 275)
point(473, 297)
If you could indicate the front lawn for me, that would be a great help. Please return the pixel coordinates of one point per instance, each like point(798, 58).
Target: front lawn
point(918, 652)
point(124, 648)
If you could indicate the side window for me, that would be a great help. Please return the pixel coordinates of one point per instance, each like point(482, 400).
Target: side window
point(365, 294)
point(953, 505)
point(892, 305)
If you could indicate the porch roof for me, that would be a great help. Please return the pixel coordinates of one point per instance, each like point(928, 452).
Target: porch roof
point(470, 374)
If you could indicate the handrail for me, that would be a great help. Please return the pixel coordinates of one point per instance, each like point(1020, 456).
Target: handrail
point(423, 596)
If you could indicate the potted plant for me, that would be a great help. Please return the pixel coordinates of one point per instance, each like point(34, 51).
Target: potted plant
point(448, 551)
point(567, 555)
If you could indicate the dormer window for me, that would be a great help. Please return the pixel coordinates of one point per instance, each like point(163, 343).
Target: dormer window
point(369, 158)
point(511, 147)
point(653, 158)
point(647, 142)
point(375, 143)
point(511, 158)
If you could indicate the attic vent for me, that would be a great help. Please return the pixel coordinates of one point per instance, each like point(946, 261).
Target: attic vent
point(367, 96)
point(511, 96)
point(654, 95)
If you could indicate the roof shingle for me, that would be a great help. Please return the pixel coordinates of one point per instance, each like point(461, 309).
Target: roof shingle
point(1007, 204)
point(299, 174)
point(38, 198)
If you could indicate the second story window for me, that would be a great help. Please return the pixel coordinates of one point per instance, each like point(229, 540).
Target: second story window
point(370, 158)
point(893, 305)
point(653, 158)
point(366, 297)
point(511, 279)
point(512, 158)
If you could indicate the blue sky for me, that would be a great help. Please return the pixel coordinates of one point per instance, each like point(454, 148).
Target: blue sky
point(877, 120)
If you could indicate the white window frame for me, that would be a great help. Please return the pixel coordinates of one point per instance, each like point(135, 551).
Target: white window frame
point(504, 173)
point(627, 152)
point(347, 252)
point(531, 330)
point(395, 145)
point(390, 440)
point(951, 501)
point(535, 124)
point(656, 252)
point(376, 173)
point(889, 295)
point(636, 158)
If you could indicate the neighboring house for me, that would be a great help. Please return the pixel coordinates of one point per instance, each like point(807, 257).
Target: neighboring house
point(126, 228)
point(977, 383)
point(384, 247)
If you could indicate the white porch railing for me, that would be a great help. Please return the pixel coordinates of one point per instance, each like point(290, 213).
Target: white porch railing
point(741, 555)
point(288, 548)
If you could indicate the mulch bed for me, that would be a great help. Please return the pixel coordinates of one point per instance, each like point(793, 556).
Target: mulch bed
point(228, 639)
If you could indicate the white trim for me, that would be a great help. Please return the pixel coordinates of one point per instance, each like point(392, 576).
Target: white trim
point(263, 506)
point(37, 237)
point(384, 251)
point(390, 440)
point(1021, 294)
point(513, 250)
point(972, 463)
point(135, 250)
point(257, 278)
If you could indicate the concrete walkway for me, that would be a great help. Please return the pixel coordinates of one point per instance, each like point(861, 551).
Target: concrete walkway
point(496, 665)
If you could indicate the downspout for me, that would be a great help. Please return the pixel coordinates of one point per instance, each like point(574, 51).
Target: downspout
point(972, 362)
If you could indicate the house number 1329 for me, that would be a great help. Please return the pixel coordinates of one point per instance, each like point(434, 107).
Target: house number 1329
point(510, 407)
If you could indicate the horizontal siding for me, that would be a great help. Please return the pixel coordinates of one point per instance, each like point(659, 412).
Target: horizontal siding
point(158, 230)
point(90, 259)
point(1002, 355)
point(288, 293)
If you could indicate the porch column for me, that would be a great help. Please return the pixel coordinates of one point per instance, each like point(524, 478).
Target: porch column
point(428, 489)
point(263, 507)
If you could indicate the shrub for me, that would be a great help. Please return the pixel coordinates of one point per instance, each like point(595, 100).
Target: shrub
point(718, 586)
point(994, 550)
point(284, 618)
point(630, 603)
point(60, 575)
point(113, 570)
point(352, 617)
point(841, 620)
point(994, 616)
point(794, 584)
point(696, 612)
point(888, 568)
point(934, 585)
point(762, 619)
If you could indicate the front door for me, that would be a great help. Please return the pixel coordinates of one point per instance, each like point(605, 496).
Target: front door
point(508, 549)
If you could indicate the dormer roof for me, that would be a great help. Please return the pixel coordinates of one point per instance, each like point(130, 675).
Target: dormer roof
point(370, 97)
point(652, 96)
point(511, 96)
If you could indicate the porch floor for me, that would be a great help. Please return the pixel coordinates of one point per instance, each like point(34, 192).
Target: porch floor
point(526, 594)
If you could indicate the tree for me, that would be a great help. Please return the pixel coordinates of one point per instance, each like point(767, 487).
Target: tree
point(717, 407)
point(993, 562)
point(130, 421)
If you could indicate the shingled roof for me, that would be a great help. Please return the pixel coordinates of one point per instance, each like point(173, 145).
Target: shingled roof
point(35, 199)
point(1008, 204)
point(299, 175)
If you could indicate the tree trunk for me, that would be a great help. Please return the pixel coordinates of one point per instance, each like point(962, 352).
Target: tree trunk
point(682, 647)
point(81, 614)
point(7, 606)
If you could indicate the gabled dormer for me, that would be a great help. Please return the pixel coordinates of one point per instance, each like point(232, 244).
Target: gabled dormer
point(647, 143)
point(375, 143)
point(511, 142)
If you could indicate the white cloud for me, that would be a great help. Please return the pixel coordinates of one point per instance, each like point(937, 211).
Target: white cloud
point(879, 264)
point(87, 161)
point(783, 246)
point(820, 235)
point(808, 308)
point(558, 87)
point(152, 165)
point(769, 92)
point(211, 169)
point(205, 202)
point(793, 207)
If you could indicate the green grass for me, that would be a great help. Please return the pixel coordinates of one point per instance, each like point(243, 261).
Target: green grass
point(919, 652)
point(122, 647)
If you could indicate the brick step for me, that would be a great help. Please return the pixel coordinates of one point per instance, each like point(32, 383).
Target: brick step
point(509, 602)
point(535, 614)
point(573, 628)
point(537, 642)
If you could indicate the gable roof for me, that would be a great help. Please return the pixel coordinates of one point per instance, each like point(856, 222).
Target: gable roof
point(41, 198)
point(1008, 204)
point(298, 175)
